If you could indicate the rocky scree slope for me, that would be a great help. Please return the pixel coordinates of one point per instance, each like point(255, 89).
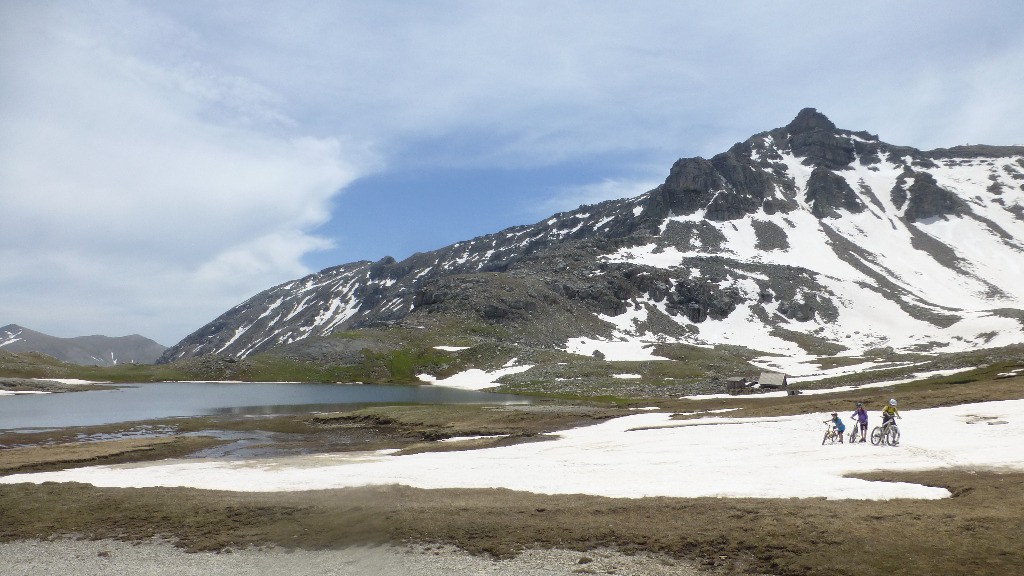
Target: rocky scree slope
point(802, 239)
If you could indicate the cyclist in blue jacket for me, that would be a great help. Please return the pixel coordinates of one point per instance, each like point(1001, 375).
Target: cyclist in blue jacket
point(839, 425)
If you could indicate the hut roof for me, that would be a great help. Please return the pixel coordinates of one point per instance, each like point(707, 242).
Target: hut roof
point(772, 379)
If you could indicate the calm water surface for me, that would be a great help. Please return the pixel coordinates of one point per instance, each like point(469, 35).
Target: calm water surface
point(184, 399)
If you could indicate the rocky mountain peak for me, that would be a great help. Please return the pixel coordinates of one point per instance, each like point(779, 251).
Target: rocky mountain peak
point(809, 120)
point(813, 137)
point(805, 237)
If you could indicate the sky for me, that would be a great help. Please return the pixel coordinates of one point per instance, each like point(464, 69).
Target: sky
point(161, 162)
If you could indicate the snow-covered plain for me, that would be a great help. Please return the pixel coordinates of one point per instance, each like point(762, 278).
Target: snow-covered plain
point(646, 454)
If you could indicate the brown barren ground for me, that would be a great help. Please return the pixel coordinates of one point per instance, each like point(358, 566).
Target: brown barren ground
point(975, 532)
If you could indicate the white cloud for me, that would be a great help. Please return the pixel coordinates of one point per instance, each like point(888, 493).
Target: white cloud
point(572, 197)
point(152, 187)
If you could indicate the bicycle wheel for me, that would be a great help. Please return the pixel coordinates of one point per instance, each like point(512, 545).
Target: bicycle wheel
point(892, 438)
point(876, 436)
point(853, 434)
point(828, 436)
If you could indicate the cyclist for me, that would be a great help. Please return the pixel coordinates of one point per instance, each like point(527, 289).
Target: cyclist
point(860, 415)
point(889, 413)
point(839, 425)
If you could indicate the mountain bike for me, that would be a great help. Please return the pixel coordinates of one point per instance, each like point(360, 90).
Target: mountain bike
point(887, 434)
point(854, 432)
point(832, 435)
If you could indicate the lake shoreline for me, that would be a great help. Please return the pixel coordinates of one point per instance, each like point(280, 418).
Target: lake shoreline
point(111, 404)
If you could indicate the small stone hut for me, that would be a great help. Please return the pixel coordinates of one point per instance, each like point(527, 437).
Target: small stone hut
point(735, 383)
point(772, 380)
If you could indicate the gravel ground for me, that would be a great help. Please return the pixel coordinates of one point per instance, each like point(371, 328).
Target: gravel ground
point(156, 558)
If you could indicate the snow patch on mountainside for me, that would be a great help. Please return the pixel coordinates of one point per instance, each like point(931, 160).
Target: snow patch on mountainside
point(475, 379)
point(624, 350)
point(9, 337)
point(976, 268)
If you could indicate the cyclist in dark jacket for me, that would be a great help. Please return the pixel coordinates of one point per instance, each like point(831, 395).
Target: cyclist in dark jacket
point(861, 416)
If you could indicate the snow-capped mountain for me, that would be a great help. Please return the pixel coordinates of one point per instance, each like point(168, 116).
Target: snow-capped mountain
point(806, 238)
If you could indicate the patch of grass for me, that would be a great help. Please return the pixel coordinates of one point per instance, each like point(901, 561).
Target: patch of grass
point(830, 362)
point(397, 366)
point(60, 456)
point(590, 396)
point(439, 421)
point(808, 342)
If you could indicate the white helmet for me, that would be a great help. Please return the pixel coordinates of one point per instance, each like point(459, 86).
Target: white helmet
point(892, 402)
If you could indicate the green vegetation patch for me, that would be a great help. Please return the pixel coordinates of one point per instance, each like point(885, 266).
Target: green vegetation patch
point(441, 421)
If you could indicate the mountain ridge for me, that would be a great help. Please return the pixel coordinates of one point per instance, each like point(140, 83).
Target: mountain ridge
point(94, 350)
point(802, 239)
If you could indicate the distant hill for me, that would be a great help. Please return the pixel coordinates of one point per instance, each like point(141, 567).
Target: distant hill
point(83, 350)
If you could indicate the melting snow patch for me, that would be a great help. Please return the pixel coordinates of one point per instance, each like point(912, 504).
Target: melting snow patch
point(469, 438)
point(623, 351)
point(71, 380)
point(719, 411)
point(474, 379)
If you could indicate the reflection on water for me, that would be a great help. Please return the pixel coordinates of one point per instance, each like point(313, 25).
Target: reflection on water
point(186, 399)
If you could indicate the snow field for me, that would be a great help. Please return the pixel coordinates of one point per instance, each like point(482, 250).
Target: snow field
point(646, 454)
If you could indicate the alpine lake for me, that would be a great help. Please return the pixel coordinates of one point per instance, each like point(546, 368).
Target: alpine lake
point(151, 401)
